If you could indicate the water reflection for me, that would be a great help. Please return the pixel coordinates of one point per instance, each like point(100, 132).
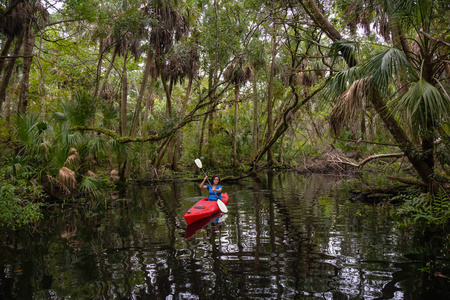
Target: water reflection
point(285, 237)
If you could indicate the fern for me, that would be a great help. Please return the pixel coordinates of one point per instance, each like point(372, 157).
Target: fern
point(432, 210)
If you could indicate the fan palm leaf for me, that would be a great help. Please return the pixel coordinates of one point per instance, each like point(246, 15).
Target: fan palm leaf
point(91, 185)
point(339, 82)
point(67, 178)
point(385, 68)
point(346, 49)
point(422, 104)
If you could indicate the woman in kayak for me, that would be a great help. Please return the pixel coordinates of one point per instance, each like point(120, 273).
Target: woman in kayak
point(215, 190)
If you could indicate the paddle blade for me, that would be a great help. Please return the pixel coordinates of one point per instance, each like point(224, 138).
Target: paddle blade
point(222, 206)
point(198, 162)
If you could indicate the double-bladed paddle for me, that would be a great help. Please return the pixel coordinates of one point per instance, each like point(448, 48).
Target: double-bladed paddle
point(222, 206)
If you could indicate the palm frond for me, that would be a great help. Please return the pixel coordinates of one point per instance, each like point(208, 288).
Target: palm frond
point(386, 67)
point(346, 49)
point(349, 104)
point(422, 104)
point(73, 156)
point(97, 145)
point(122, 150)
point(91, 174)
point(28, 130)
point(67, 178)
point(91, 185)
point(339, 82)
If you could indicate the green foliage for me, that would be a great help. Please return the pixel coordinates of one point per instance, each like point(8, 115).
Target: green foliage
point(423, 104)
point(91, 186)
point(80, 111)
point(431, 210)
point(17, 201)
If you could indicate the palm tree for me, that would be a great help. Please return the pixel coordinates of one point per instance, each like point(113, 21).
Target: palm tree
point(257, 62)
point(172, 26)
point(422, 73)
point(238, 73)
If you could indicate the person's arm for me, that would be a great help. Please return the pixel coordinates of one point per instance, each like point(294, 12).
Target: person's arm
point(218, 189)
point(202, 185)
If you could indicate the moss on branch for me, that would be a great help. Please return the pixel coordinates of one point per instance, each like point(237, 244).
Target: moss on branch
point(121, 139)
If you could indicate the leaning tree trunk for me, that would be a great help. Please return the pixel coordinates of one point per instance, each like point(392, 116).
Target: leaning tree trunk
point(9, 69)
point(108, 71)
point(26, 67)
point(5, 52)
point(422, 168)
point(142, 90)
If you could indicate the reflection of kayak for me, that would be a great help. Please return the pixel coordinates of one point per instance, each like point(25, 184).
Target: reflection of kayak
point(203, 208)
point(192, 229)
point(196, 226)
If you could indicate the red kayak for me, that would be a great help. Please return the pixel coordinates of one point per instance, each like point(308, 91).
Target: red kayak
point(203, 208)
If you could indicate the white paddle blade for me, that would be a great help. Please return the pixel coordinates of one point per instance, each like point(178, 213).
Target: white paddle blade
point(198, 162)
point(222, 206)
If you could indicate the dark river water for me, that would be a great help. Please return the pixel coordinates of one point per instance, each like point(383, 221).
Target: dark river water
point(285, 236)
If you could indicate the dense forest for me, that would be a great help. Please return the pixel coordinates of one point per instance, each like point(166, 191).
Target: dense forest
point(94, 93)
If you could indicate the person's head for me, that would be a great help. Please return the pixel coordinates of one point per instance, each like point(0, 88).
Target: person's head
point(215, 179)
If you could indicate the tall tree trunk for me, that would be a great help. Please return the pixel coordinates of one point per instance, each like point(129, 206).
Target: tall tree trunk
point(236, 106)
point(213, 97)
point(5, 52)
point(270, 95)
point(255, 120)
point(150, 102)
point(26, 67)
point(168, 111)
point(99, 66)
point(41, 81)
point(202, 136)
point(123, 116)
point(179, 140)
point(142, 90)
point(108, 71)
point(168, 148)
point(123, 103)
point(9, 69)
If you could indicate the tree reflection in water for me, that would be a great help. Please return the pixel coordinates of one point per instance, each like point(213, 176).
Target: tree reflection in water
point(285, 237)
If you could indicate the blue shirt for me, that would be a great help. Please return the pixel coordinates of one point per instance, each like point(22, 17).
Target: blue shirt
point(212, 194)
